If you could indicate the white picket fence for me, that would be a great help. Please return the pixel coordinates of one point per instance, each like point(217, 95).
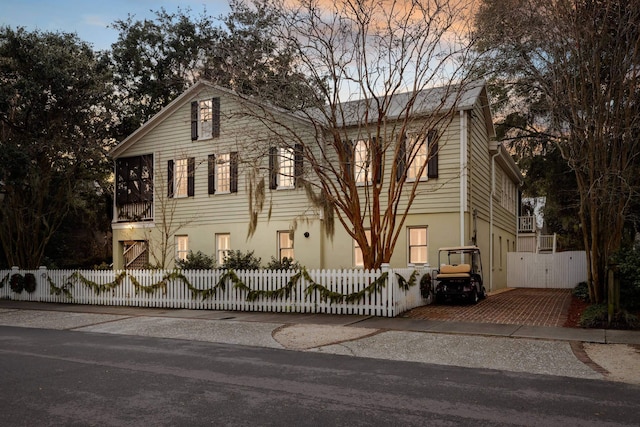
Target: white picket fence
point(389, 302)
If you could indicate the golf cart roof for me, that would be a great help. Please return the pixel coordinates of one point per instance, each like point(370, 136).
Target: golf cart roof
point(459, 249)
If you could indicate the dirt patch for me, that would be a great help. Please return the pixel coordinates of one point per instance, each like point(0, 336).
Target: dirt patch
point(576, 307)
point(621, 361)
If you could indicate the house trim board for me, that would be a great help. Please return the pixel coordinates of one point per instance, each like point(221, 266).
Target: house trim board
point(463, 172)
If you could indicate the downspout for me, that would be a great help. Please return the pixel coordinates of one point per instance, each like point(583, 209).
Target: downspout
point(463, 171)
point(493, 192)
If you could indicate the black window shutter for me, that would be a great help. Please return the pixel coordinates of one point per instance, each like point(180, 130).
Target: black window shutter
point(191, 168)
point(215, 117)
point(233, 171)
point(298, 164)
point(194, 120)
point(348, 155)
point(401, 161)
point(376, 157)
point(122, 172)
point(212, 173)
point(432, 165)
point(170, 178)
point(273, 168)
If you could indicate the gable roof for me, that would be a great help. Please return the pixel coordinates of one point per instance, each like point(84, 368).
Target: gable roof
point(424, 102)
point(185, 97)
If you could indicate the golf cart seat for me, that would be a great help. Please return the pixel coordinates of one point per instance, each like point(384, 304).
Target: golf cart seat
point(454, 271)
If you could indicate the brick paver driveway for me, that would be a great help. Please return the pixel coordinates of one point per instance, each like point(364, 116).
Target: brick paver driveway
point(534, 307)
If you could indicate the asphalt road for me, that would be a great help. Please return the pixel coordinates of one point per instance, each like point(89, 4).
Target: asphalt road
point(50, 377)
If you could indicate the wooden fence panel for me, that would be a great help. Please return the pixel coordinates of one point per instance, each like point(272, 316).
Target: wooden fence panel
point(560, 270)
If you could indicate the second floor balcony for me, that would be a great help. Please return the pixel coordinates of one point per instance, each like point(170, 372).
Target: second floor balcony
point(527, 224)
point(134, 212)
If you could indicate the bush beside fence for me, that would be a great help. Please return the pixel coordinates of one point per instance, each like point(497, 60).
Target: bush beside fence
point(386, 292)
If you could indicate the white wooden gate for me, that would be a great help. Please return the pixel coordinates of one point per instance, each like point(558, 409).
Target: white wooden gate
point(560, 270)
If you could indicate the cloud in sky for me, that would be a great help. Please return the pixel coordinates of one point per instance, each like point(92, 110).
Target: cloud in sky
point(91, 19)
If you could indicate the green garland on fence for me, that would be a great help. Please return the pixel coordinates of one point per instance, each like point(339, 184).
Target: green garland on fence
point(4, 281)
point(252, 295)
point(65, 289)
point(331, 296)
point(149, 289)
point(406, 284)
point(283, 292)
point(96, 287)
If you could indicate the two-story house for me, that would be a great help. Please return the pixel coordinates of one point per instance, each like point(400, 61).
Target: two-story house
point(185, 181)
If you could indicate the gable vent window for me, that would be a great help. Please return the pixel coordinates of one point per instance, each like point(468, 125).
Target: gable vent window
point(205, 119)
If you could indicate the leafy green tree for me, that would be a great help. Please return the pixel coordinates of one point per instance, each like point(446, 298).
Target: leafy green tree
point(568, 72)
point(156, 60)
point(251, 58)
point(53, 125)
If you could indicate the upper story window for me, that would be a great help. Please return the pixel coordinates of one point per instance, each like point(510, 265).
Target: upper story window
point(509, 194)
point(415, 151)
point(362, 161)
point(285, 166)
point(205, 119)
point(223, 173)
point(180, 177)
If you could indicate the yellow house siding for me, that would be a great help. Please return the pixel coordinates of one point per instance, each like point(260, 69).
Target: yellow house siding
point(202, 216)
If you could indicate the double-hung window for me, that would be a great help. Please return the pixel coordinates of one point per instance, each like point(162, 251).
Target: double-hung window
point(223, 173)
point(285, 166)
point(362, 162)
point(223, 246)
point(205, 119)
point(180, 177)
point(182, 247)
point(285, 245)
point(358, 258)
point(417, 237)
point(414, 152)
point(417, 159)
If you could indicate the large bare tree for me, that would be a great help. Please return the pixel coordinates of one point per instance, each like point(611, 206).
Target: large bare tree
point(386, 76)
point(570, 70)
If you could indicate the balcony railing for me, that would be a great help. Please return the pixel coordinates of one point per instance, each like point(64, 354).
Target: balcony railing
point(133, 212)
point(547, 243)
point(527, 224)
